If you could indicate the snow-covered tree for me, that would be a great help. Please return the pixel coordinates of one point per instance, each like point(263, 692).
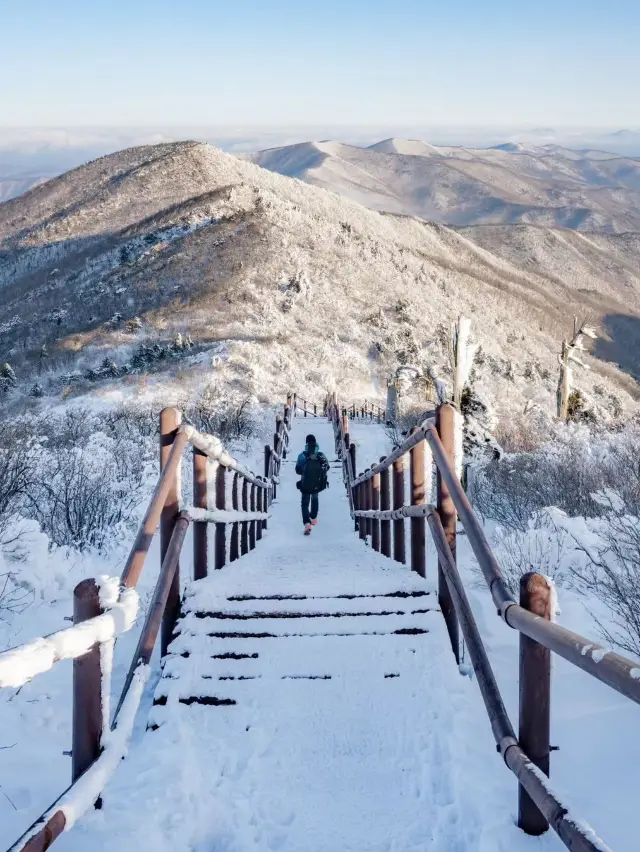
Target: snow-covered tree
point(569, 356)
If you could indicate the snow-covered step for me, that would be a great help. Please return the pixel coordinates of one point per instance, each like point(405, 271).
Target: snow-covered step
point(394, 602)
point(320, 624)
point(336, 656)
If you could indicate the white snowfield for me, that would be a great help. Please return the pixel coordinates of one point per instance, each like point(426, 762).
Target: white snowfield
point(311, 703)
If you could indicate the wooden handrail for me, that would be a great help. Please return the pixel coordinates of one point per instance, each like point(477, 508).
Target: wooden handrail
point(613, 669)
point(136, 559)
point(44, 831)
point(527, 774)
point(605, 665)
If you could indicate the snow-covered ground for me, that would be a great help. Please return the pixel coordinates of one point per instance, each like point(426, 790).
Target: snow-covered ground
point(351, 760)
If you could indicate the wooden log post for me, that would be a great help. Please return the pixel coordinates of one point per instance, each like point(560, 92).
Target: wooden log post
point(445, 424)
point(221, 528)
point(305, 407)
point(385, 505)
point(265, 502)
point(352, 453)
point(87, 686)
point(345, 433)
point(535, 697)
point(366, 499)
point(295, 405)
point(170, 419)
point(418, 525)
point(234, 548)
point(315, 409)
point(375, 505)
point(252, 524)
point(244, 526)
point(260, 507)
point(399, 549)
point(200, 528)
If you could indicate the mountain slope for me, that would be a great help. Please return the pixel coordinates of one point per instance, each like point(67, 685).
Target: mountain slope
point(298, 285)
point(510, 183)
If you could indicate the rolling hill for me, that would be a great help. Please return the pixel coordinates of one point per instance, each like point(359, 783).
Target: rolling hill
point(296, 286)
point(510, 183)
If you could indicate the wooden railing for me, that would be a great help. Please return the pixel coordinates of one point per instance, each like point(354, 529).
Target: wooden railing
point(379, 510)
point(241, 501)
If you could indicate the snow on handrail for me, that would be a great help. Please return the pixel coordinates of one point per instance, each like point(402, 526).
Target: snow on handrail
point(83, 793)
point(18, 665)
point(224, 516)
point(214, 449)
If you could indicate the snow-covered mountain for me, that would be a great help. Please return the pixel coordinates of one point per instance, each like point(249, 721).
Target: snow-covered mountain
point(510, 183)
point(299, 287)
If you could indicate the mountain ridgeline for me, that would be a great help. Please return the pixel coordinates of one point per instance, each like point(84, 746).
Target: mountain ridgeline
point(297, 283)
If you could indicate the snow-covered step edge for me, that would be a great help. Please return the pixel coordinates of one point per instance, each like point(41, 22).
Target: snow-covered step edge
point(237, 581)
point(367, 645)
point(276, 659)
point(327, 605)
point(328, 625)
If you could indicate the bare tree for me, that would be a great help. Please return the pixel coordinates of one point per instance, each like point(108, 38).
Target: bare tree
point(612, 574)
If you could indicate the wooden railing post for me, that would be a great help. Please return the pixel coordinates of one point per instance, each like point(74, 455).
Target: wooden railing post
point(362, 503)
point(265, 504)
point(352, 453)
point(87, 686)
point(253, 524)
point(170, 419)
point(375, 504)
point(366, 496)
point(399, 553)
point(535, 698)
point(445, 425)
point(418, 525)
point(244, 526)
point(200, 528)
point(221, 528)
point(305, 407)
point(315, 409)
point(234, 549)
point(260, 503)
point(385, 505)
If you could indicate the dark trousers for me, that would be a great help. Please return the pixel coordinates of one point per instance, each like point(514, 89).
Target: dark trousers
point(308, 516)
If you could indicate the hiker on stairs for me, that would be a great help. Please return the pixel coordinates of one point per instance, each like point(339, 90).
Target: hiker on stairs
point(312, 467)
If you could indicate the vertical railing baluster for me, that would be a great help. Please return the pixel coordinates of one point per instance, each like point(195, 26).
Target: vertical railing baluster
point(417, 525)
point(200, 528)
point(399, 545)
point(87, 686)
point(375, 505)
point(244, 526)
point(445, 425)
point(535, 697)
point(233, 547)
point(385, 505)
point(221, 528)
point(253, 524)
point(170, 419)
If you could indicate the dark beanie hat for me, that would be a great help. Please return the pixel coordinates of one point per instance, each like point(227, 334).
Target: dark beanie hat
point(311, 439)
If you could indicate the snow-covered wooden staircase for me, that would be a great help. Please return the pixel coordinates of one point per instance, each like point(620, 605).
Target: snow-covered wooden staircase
point(223, 645)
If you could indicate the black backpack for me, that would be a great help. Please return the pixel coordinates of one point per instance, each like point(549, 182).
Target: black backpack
point(314, 475)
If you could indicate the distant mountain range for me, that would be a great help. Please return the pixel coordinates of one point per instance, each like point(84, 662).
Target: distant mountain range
point(107, 263)
point(587, 190)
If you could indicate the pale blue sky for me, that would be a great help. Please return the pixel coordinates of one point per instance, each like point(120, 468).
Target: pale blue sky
point(356, 62)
